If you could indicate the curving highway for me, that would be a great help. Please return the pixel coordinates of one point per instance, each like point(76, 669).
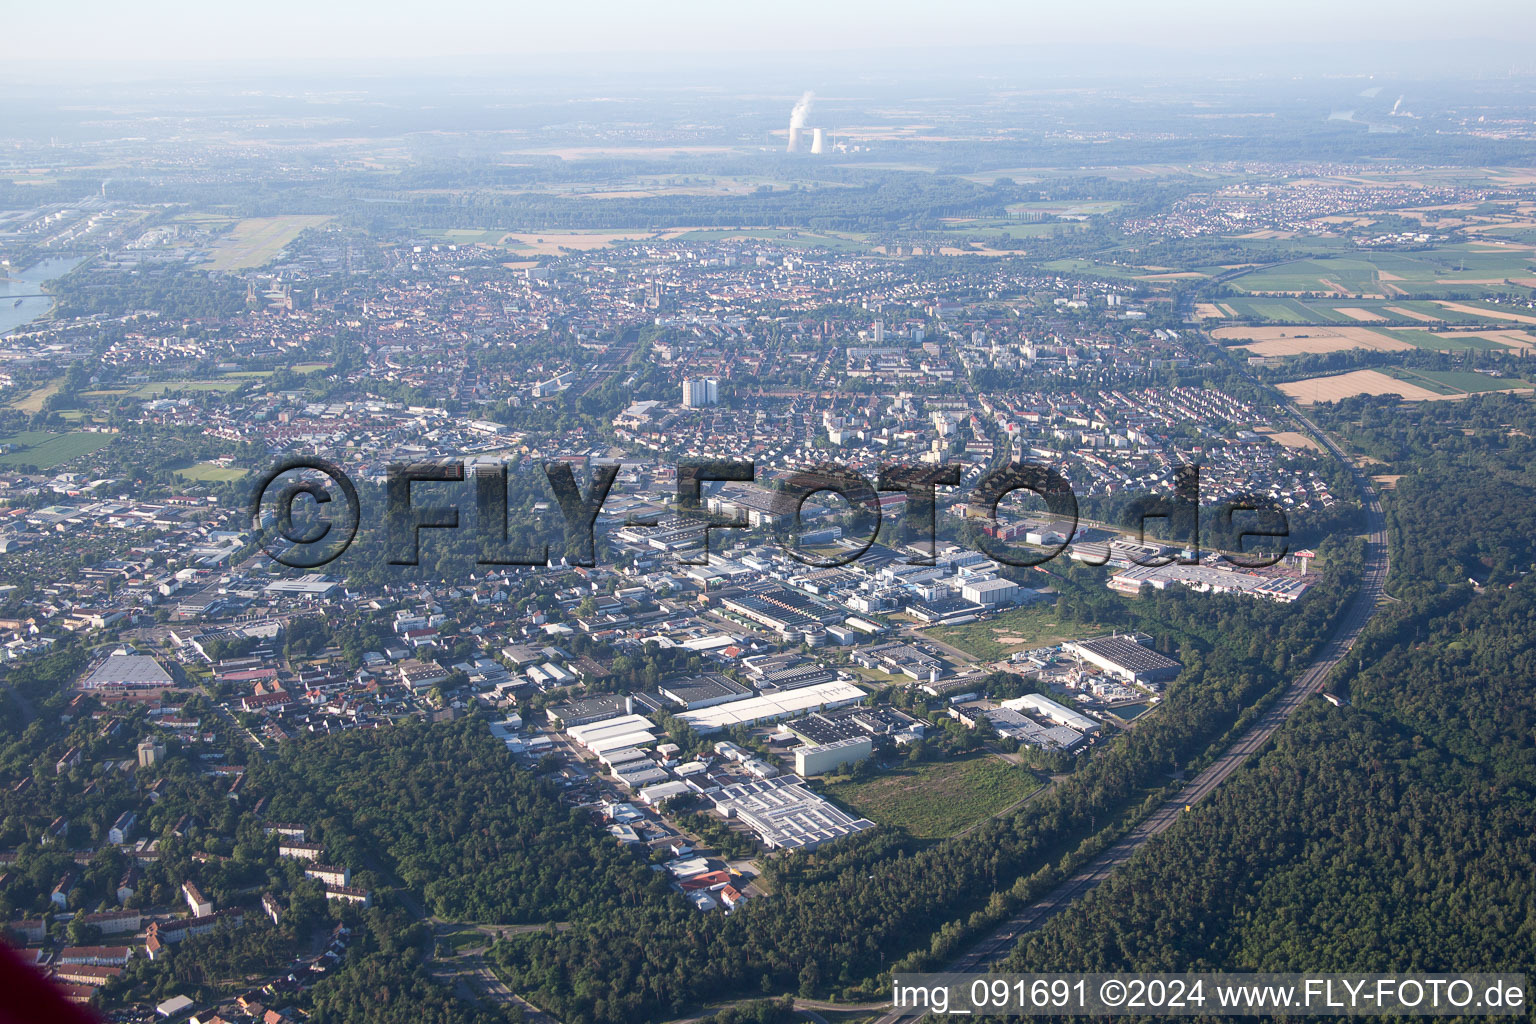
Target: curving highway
point(1001, 941)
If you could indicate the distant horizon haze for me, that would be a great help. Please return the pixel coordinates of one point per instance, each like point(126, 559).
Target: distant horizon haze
point(177, 38)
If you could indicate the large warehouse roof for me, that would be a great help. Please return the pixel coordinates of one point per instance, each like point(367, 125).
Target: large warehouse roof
point(603, 744)
point(127, 670)
point(786, 815)
point(1035, 704)
point(772, 707)
point(608, 727)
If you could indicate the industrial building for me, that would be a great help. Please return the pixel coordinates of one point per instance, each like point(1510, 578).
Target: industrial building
point(900, 659)
point(1209, 579)
point(703, 691)
point(1013, 725)
point(772, 707)
point(786, 815)
point(1044, 707)
point(640, 774)
point(586, 710)
point(817, 759)
point(781, 610)
point(821, 727)
point(127, 674)
point(990, 590)
point(656, 795)
point(795, 677)
point(1128, 657)
point(614, 734)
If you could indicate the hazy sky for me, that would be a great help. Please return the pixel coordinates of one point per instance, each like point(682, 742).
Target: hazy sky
point(216, 30)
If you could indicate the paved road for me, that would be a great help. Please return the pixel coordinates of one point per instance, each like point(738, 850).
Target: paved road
point(471, 975)
point(1001, 941)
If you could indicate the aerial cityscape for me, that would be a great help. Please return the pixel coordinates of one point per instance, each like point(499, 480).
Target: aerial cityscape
point(603, 540)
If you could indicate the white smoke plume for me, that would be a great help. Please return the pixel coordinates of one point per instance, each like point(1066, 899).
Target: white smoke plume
point(797, 120)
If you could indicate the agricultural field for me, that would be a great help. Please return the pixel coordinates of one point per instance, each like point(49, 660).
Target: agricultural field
point(255, 241)
point(1077, 265)
point(1380, 312)
point(1410, 385)
point(983, 229)
point(932, 801)
point(1275, 340)
point(33, 400)
point(552, 243)
point(1291, 341)
point(47, 449)
point(466, 236)
point(1062, 208)
point(1020, 629)
point(1464, 381)
point(1390, 275)
point(1488, 311)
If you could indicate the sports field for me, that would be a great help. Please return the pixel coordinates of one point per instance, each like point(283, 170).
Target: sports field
point(255, 241)
point(208, 471)
point(931, 801)
point(46, 449)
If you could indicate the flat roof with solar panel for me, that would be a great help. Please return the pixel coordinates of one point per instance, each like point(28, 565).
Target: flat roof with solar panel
point(1124, 656)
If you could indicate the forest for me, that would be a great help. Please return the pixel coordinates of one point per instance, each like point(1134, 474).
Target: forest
point(444, 809)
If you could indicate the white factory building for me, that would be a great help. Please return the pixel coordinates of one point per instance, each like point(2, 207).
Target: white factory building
point(816, 759)
point(614, 734)
point(773, 707)
point(1044, 707)
point(785, 815)
point(990, 590)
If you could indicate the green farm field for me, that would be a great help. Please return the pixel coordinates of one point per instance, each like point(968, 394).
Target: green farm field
point(1459, 381)
point(1439, 272)
point(46, 449)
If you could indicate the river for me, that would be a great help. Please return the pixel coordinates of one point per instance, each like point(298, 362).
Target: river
point(30, 282)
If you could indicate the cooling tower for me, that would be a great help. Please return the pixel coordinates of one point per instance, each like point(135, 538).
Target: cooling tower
point(817, 141)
